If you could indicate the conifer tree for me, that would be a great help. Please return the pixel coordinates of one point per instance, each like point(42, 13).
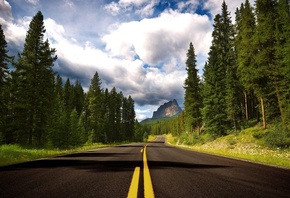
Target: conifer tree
point(131, 117)
point(76, 129)
point(78, 97)
point(246, 26)
point(192, 98)
point(33, 85)
point(214, 92)
point(281, 75)
point(264, 41)
point(229, 59)
point(95, 98)
point(128, 119)
point(4, 93)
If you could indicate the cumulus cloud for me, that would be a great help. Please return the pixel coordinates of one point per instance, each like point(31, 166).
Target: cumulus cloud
point(141, 7)
point(188, 6)
point(15, 31)
point(33, 2)
point(147, 85)
point(5, 11)
point(159, 39)
point(113, 8)
point(142, 57)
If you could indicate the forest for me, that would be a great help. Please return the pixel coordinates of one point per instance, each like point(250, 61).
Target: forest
point(39, 110)
point(244, 83)
point(246, 79)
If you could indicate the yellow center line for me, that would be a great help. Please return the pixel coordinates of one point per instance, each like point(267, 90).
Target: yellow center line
point(141, 151)
point(133, 191)
point(148, 188)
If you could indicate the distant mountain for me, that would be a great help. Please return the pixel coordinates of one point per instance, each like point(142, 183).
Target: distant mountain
point(169, 109)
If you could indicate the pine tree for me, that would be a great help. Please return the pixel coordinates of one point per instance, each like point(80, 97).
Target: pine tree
point(229, 59)
point(192, 99)
point(78, 97)
point(95, 98)
point(33, 85)
point(246, 27)
point(4, 71)
point(76, 136)
point(128, 119)
point(264, 41)
point(214, 92)
point(281, 75)
point(131, 117)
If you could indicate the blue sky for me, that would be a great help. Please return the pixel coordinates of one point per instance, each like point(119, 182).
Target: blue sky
point(137, 46)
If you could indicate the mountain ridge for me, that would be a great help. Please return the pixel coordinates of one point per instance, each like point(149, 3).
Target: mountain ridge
point(168, 109)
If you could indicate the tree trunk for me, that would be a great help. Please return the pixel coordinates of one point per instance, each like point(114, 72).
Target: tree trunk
point(263, 113)
point(246, 105)
point(198, 130)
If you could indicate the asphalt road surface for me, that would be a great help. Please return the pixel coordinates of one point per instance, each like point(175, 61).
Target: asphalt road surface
point(143, 170)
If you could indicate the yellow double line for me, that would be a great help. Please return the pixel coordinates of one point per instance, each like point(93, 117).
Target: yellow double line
point(148, 188)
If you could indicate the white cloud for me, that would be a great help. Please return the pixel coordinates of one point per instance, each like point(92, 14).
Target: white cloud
point(189, 5)
point(147, 10)
point(159, 39)
point(214, 6)
point(33, 2)
point(144, 58)
point(142, 8)
point(113, 8)
point(134, 2)
point(146, 85)
point(5, 11)
point(69, 3)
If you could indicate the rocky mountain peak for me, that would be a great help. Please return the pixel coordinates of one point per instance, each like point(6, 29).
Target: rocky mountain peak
point(168, 109)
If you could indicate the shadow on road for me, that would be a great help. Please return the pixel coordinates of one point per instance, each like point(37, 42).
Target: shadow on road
point(168, 164)
point(97, 163)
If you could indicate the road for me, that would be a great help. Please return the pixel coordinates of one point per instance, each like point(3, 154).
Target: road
point(143, 170)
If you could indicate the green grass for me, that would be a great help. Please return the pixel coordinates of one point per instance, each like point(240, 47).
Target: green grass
point(250, 144)
point(12, 154)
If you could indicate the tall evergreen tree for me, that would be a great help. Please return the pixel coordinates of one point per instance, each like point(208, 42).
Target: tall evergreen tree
point(192, 98)
point(33, 85)
point(128, 119)
point(264, 41)
point(4, 93)
point(246, 27)
point(281, 77)
point(214, 111)
point(78, 97)
point(95, 98)
point(233, 109)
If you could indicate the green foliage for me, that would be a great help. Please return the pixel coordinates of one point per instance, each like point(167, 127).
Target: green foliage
point(219, 97)
point(192, 98)
point(150, 121)
point(246, 76)
point(37, 110)
point(13, 153)
point(32, 85)
point(174, 126)
point(4, 87)
point(278, 136)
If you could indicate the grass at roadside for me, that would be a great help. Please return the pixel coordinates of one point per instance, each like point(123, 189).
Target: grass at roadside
point(243, 146)
point(11, 154)
point(151, 138)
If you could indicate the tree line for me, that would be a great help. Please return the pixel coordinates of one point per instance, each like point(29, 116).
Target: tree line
point(246, 76)
point(38, 110)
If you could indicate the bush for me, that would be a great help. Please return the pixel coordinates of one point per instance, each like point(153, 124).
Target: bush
point(279, 135)
point(258, 134)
